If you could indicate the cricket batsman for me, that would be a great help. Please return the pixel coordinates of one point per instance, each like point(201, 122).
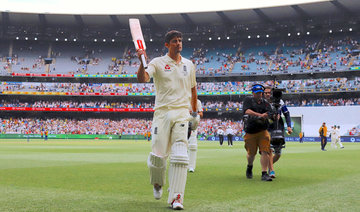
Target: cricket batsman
point(175, 83)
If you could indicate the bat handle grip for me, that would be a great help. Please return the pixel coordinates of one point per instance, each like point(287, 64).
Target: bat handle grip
point(144, 61)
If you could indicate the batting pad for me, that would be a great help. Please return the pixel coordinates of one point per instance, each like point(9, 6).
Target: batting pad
point(192, 150)
point(179, 161)
point(157, 167)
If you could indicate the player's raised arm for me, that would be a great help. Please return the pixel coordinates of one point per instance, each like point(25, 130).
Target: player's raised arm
point(142, 75)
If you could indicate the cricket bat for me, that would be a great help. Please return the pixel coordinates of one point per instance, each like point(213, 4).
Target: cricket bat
point(138, 37)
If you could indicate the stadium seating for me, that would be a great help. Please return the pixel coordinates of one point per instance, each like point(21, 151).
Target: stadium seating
point(219, 57)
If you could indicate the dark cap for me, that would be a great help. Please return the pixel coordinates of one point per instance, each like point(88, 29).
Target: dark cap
point(257, 88)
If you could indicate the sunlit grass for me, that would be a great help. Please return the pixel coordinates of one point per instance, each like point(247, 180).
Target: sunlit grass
point(72, 175)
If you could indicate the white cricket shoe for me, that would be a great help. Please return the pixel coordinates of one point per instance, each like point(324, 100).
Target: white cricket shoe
point(177, 204)
point(191, 170)
point(157, 192)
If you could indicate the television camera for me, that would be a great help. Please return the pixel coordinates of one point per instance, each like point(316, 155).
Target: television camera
point(277, 125)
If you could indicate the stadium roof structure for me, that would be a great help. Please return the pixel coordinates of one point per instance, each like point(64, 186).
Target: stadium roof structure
point(138, 6)
point(297, 17)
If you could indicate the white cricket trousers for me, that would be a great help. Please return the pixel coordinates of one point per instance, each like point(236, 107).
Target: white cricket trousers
point(169, 126)
point(170, 129)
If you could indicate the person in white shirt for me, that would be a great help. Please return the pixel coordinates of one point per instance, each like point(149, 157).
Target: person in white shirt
point(175, 85)
point(220, 133)
point(193, 141)
point(229, 132)
point(338, 138)
point(333, 136)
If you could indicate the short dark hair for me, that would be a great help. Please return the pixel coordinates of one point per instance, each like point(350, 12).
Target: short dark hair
point(172, 34)
point(268, 87)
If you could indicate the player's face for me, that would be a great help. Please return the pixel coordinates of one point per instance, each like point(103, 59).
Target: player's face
point(267, 94)
point(175, 45)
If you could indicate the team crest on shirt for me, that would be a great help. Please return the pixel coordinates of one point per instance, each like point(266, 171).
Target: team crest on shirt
point(167, 68)
point(155, 131)
point(185, 72)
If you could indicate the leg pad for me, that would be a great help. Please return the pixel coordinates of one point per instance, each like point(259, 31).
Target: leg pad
point(157, 167)
point(179, 161)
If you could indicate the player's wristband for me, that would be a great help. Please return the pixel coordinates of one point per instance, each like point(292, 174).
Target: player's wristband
point(194, 114)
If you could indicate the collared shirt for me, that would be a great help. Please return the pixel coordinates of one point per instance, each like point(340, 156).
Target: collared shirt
point(229, 131)
point(173, 82)
point(220, 132)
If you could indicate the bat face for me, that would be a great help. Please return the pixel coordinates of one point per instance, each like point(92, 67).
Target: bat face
point(137, 34)
point(138, 38)
point(140, 44)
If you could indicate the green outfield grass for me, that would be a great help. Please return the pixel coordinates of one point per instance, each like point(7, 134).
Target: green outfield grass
point(113, 176)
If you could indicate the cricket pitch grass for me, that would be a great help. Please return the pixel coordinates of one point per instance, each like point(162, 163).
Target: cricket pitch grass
point(73, 175)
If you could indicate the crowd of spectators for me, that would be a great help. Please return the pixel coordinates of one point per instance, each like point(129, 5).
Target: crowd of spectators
point(206, 104)
point(280, 56)
point(243, 86)
point(290, 103)
point(75, 126)
point(221, 62)
point(323, 102)
point(355, 131)
point(206, 128)
point(329, 53)
point(217, 58)
point(75, 104)
point(80, 87)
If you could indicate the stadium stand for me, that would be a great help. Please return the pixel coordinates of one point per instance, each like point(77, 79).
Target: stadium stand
point(355, 131)
point(213, 58)
point(317, 69)
point(124, 88)
point(210, 105)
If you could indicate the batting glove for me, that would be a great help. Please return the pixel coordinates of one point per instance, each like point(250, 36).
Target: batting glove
point(194, 121)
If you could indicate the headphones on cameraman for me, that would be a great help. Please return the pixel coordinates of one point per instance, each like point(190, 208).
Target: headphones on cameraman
point(256, 88)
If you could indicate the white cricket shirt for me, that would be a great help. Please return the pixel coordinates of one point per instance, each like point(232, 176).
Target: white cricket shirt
point(173, 82)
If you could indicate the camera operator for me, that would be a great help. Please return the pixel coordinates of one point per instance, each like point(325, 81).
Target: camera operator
point(256, 123)
point(278, 142)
